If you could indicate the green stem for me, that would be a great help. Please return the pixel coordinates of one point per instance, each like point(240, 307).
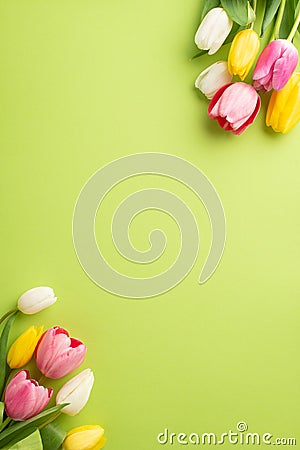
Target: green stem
point(294, 29)
point(50, 420)
point(254, 9)
point(42, 380)
point(7, 315)
point(5, 423)
point(9, 371)
point(275, 33)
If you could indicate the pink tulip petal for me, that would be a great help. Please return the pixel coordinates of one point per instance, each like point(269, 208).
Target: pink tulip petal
point(57, 354)
point(250, 120)
point(267, 60)
point(215, 99)
point(283, 69)
point(235, 106)
point(275, 65)
point(25, 398)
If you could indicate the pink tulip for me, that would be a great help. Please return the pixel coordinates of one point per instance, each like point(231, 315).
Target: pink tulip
point(57, 354)
point(25, 398)
point(275, 65)
point(235, 106)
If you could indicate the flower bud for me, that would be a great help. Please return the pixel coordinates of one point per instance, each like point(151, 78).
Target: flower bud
point(21, 351)
point(76, 392)
point(243, 51)
point(36, 300)
point(57, 354)
point(213, 78)
point(213, 30)
point(283, 110)
point(88, 437)
point(275, 65)
point(25, 398)
point(235, 107)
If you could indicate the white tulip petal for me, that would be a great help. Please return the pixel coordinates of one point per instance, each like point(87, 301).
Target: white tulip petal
point(213, 78)
point(76, 392)
point(213, 30)
point(36, 299)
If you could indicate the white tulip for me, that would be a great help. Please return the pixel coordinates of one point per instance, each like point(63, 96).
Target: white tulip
point(76, 392)
point(213, 78)
point(213, 30)
point(36, 299)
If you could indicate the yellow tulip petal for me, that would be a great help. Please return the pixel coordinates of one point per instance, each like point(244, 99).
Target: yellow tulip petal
point(21, 351)
point(283, 110)
point(243, 51)
point(88, 437)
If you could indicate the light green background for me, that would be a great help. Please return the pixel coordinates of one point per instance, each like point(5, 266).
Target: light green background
point(84, 82)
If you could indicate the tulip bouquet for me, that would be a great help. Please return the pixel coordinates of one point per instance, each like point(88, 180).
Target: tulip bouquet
point(233, 102)
point(25, 422)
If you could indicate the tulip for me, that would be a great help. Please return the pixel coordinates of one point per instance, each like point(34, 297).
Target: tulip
point(213, 78)
point(283, 110)
point(76, 392)
point(36, 300)
point(57, 354)
point(88, 437)
point(25, 398)
point(242, 54)
point(213, 30)
point(235, 106)
point(21, 351)
point(275, 65)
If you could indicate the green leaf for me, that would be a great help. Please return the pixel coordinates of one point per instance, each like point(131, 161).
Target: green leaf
point(201, 53)
point(32, 442)
point(287, 20)
point(46, 416)
point(297, 9)
point(52, 436)
point(207, 6)
point(251, 14)
point(1, 412)
point(3, 351)
point(237, 10)
point(270, 11)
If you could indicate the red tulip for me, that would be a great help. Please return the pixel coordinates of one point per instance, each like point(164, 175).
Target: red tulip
point(25, 398)
point(235, 106)
point(57, 354)
point(275, 65)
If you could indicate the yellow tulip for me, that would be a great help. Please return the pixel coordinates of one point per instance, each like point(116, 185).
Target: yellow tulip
point(21, 351)
point(88, 437)
point(283, 110)
point(243, 52)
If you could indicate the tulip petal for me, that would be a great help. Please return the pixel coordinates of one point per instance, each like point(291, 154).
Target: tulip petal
point(235, 106)
point(36, 299)
point(213, 78)
point(213, 30)
point(76, 392)
point(25, 398)
point(283, 68)
point(57, 354)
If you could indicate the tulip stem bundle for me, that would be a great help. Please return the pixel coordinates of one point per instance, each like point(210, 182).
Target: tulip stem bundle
point(279, 18)
point(295, 27)
point(25, 420)
point(235, 104)
point(5, 423)
point(254, 6)
point(6, 315)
